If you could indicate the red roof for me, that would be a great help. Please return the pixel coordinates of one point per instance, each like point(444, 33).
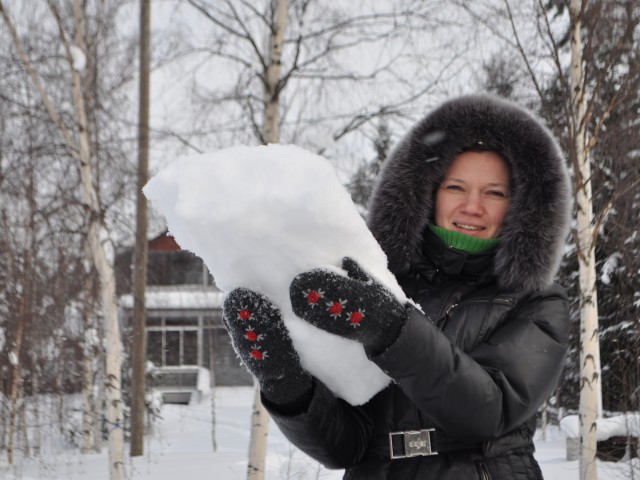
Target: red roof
point(165, 242)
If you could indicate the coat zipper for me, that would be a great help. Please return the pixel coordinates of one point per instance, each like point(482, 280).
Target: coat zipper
point(443, 318)
point(497, 300)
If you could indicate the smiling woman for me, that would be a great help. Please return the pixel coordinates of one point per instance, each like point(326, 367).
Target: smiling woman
point(472, 209)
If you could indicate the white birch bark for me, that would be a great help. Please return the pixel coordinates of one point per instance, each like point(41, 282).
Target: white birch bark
point(271, 134)
point(88, 427)
point(99, 249)
point(589, 340)
point(88, 374)
point(258, 440)
point(271, 125)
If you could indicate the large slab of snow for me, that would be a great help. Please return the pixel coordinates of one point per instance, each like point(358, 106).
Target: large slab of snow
point(259, 216)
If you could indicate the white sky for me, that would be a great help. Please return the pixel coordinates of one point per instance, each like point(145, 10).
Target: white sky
point(445, 56)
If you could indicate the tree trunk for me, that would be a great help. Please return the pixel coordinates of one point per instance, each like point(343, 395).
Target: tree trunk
point(271, 125)
point(88, 374)
point(589, 341)
point(98, 245)
point(113, 355)
point(88, 407)
point(99, 396)
point(15, 380)
point(270, 134)
point(140, 264)
point(37, 440)
point(258, 442)
point(23, 426)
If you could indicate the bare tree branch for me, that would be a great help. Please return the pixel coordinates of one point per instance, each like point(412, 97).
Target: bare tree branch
point(242, 35)
point(520, 49)
point(35, 78)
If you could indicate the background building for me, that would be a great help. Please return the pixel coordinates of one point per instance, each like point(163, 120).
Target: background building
point(184, 312)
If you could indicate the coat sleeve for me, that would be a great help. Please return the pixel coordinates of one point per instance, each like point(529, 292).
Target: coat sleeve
point(487, 392)
point(330, 430)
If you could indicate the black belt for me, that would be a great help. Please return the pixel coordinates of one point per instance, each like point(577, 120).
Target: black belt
point(414, 443)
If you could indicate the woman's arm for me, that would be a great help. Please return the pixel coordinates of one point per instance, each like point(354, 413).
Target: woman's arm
point(494, 388)
point(328, 429)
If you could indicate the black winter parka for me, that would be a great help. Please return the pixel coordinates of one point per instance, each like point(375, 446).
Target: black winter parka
point(488, 346)
point(475, 366)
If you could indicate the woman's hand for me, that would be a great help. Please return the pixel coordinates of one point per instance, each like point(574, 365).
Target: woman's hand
point(261, 340)
point(355, 307)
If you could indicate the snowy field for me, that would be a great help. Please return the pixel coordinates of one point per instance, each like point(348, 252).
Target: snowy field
point(180, 447)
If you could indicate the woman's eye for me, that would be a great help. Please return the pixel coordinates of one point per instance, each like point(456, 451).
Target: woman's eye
point(497, 193)
point(454, 187)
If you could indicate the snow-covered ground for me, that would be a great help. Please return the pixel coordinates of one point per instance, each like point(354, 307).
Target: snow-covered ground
point(180, 447)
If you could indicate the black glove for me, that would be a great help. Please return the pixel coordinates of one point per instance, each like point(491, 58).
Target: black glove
point(260, 339)
point(354, 307)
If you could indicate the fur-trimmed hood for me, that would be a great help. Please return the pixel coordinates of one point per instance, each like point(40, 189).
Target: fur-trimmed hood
point(537, 219)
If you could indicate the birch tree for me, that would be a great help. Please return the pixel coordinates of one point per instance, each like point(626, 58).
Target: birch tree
point(78, 143)
point(270, 134)
point(590, 389)
point(91, 354)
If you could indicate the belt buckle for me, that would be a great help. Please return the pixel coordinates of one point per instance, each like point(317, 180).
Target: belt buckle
point(416, 443)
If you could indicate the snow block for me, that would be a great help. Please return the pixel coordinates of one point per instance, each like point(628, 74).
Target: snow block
point(259, 216)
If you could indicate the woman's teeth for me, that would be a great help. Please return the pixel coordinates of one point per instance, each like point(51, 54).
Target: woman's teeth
point(468, 227)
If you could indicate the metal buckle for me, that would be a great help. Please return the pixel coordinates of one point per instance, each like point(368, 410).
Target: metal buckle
point(416, 442)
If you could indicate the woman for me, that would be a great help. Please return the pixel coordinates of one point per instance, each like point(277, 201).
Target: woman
point(472, 210)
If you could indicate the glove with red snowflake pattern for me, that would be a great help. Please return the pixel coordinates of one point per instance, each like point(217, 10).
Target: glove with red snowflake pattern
point(355, 307)
point(260, 339)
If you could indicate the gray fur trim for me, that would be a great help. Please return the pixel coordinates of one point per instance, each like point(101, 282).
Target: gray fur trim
point(537, 220)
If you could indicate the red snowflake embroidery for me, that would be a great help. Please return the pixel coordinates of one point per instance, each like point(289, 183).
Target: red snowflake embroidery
point(258, 354)
point(245, 314)
point(356, 317)
point(313, 296)
point(251, 335)
point(335, 308)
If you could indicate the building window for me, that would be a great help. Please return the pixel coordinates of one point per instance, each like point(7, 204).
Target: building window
point(176, 340)
point(218, 352)
point(176, 268)
point(155, 347)
point(173, 340)
point(172, 348)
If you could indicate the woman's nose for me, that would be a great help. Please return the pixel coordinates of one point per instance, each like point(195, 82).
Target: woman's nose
point(473, 204)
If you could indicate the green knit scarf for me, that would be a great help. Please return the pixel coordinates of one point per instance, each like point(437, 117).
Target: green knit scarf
point(460, 241)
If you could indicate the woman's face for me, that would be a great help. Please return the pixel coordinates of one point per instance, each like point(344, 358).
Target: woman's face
point(474, 195)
